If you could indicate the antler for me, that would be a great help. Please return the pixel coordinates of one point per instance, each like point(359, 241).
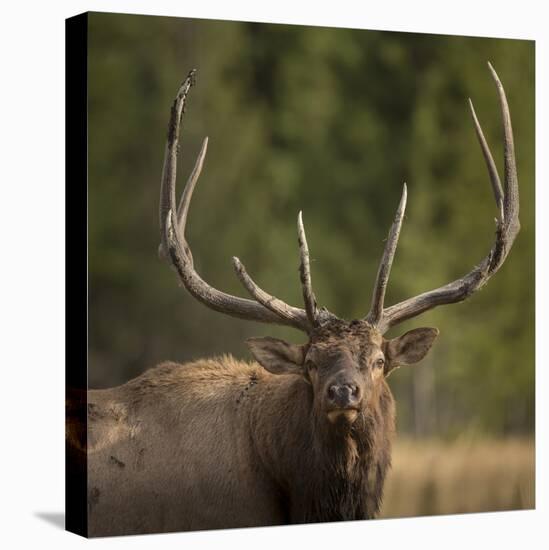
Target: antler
point(269, 309)
point(376, 309)
point(174, 247)
point(508, 226)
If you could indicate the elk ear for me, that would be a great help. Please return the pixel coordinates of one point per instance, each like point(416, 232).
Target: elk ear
point(410, 347)
point(277, 356)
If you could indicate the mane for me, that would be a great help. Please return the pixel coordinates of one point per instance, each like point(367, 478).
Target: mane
point(350, 467)
point(195, 380)
point(323, 474)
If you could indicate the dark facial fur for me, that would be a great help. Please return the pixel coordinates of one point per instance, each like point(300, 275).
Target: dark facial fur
point(333, 469)
point(345, 365)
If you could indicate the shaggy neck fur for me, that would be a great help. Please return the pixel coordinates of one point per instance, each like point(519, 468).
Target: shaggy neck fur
point(324, 472)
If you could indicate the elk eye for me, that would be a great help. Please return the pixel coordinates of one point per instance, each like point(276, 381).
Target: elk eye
point(380, 363)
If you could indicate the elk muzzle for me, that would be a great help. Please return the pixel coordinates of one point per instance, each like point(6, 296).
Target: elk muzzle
point(343, 400)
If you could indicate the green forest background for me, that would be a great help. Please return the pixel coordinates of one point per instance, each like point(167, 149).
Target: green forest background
point(331, 121)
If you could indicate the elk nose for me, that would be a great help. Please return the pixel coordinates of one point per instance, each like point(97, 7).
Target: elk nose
point(343, 395)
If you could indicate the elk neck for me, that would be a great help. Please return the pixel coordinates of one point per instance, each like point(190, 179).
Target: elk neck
point(323, 473)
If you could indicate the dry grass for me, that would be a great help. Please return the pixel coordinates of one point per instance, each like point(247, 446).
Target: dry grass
point(433, 477)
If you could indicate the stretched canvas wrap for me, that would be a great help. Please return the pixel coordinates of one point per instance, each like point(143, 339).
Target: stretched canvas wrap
point(278, 316)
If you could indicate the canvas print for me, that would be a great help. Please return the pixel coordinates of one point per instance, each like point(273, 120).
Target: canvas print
point(310, 275)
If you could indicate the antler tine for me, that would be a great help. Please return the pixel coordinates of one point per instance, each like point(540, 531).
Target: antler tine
point(511, 198)
point(490, 164)
point(272, 303)
point(508, 226)
point(305, 273)
point(185, 202)
point(376, 309)
point(172, 233)
point(169, 170)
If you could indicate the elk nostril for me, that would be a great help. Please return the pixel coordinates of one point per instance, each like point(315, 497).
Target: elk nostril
point(343, 394)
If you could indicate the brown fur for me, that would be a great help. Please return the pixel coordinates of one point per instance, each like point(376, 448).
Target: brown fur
point(223, 443)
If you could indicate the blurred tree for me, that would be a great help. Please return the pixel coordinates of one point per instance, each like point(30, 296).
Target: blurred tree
point(331, 121)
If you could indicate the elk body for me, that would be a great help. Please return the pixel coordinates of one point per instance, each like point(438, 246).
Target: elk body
point(303, 434)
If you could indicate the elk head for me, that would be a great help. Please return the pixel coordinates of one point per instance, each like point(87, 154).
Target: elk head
point(345, 362)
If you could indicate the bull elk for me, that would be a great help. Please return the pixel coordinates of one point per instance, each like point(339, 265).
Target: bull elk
point(303, 434)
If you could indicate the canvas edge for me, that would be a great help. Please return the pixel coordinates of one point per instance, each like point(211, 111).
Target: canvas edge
point(76, 252)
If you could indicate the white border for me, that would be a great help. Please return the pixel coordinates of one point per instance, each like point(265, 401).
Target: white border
point(32, 289)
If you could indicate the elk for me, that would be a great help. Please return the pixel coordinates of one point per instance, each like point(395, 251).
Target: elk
point(303, 433)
